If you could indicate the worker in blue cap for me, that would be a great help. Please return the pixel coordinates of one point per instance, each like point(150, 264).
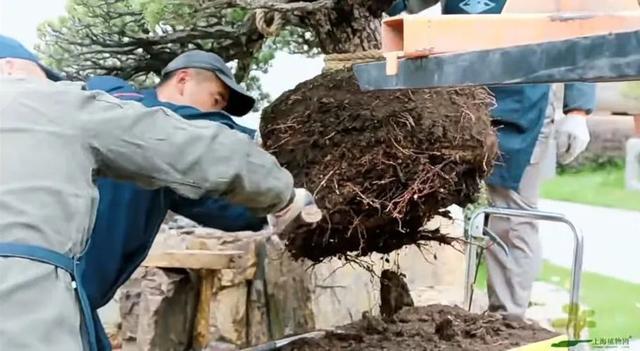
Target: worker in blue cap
point(14, 53)
point(55, 138)
point(524, 136)
point(197, 85)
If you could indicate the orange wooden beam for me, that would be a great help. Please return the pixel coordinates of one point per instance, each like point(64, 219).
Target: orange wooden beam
point(548, 6)
point(422, 35)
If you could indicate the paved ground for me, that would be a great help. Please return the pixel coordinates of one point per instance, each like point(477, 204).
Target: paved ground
point(611, 239)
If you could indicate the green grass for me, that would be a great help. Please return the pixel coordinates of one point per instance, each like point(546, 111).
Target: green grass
point(600, 187)
point(616, 303)
point(481, 277)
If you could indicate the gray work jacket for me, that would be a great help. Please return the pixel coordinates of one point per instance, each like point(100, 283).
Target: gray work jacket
point(55, 138)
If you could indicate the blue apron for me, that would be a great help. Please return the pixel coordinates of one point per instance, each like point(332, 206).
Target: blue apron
point(71, 266)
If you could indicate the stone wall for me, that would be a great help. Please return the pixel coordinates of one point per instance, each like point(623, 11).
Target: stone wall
point(251, 303)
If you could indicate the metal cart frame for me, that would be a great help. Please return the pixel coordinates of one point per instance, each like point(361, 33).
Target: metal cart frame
point(478, 235)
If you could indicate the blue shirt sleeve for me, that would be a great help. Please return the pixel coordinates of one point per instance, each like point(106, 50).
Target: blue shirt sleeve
point(111, 85)
point(579, 96)
point(217, 213)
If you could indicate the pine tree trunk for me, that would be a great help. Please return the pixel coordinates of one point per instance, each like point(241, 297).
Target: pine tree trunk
point(351, 26)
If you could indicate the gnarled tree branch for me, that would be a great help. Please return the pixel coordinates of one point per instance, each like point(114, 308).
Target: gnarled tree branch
point(134, 41)
point(273, 5)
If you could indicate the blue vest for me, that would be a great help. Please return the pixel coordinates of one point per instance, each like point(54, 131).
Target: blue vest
point(520, 111)
point(129, 217)
point(475, 7)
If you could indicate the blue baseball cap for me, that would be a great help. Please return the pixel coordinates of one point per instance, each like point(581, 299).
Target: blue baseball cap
point(11, 48)
point(240, 102)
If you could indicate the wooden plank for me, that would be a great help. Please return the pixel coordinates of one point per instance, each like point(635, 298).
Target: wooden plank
point(201, 334)
point(193, 259)
point(463, 33)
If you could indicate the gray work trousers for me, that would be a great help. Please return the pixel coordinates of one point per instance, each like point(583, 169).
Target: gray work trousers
point(510, 279)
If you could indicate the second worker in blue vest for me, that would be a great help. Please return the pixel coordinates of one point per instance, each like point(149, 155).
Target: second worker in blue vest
point(196, 85)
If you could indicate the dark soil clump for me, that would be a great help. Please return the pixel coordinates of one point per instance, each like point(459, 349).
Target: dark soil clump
point(394, 293)
point(435, 327)
point(381, 163)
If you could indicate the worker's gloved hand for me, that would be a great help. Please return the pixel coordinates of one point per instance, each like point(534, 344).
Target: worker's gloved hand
point(572, 136)
point(303, 206)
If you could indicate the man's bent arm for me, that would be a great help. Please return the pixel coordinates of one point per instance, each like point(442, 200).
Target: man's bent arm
point(218, 214)
point(154, 147)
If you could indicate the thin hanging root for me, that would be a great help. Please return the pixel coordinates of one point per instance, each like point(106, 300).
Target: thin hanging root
point(363, 198)
point(362, 263)
point(274, 148)
point(420, 188)
point(315, 192)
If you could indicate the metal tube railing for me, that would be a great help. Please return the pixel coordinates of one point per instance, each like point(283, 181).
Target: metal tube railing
point(475, 234)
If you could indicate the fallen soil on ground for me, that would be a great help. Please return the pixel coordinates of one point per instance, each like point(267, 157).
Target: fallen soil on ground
point(435, 327)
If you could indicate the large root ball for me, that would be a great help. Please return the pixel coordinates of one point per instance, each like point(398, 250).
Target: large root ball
point(382, 163)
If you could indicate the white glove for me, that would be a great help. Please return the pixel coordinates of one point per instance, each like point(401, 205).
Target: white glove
point(572, 137)
point(303, 205)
